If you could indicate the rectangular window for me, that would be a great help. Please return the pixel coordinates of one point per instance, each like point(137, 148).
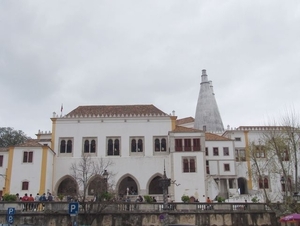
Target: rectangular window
point(216, 151)
point(206, 151)
point(137, 144)
point(196, 144)
point(66, 145)
point(226, 167)
point(1, 160)
point(25, 185)
point(89, 145)
point(187, 145)
point(113, 146)
point(160, 144)
point(225, 151)
point(207, 167)
point(237, 139)
point(189, 164)
point(27, 156)
point(240, 155)
point(178, 145)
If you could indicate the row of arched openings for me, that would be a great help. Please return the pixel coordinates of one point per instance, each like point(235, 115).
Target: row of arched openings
point(127, 186)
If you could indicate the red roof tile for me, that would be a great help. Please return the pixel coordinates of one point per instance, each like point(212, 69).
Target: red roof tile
point(182, 129)
point(184, 120)
point(215, 137)
point(117, 110)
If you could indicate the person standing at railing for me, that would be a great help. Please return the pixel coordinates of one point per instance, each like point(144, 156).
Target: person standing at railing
point(36, 199)
point(25, 199)
point(31, 204)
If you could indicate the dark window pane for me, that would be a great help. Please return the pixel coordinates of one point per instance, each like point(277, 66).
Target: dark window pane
point(110, 147)
point(69, 146)
point(86, 146)
point(63, 146)
point(93, 146)
point(133, 145)
point(30, 157)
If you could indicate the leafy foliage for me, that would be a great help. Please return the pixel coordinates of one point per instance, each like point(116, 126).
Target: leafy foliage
point(185, 198)
point(10, 137)
point(9, 198)
point(148, 198)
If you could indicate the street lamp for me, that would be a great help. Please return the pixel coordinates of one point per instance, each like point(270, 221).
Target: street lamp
point(165, 182)
point(105, 176)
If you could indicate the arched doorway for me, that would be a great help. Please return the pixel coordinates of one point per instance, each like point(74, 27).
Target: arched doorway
point(242, 185)
point(128, 187)
point(154, 187)
point(67, 187)
point(97, 186)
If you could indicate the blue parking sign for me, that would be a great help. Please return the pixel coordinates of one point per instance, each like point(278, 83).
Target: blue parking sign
point(11, 211)
point(73, 208)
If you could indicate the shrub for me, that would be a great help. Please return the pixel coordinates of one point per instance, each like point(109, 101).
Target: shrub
point(220, 199)
point(185, 198)
point(255, 199)
point(9, 197)
point(148, 199)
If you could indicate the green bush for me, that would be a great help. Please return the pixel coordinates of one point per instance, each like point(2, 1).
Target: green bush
point(148, 199)
point(9, 198)
point(255, 199)
point(185, 198)
point(220, 199)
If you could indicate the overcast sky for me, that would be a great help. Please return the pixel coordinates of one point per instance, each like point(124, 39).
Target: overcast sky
point(148, 52)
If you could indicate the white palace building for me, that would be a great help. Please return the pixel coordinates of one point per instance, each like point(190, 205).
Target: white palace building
point(199, 156)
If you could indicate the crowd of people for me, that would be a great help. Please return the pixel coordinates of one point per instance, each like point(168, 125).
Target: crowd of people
point(34, 203)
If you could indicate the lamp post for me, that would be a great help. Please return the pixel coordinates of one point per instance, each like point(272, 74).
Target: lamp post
point(282, 181)
point(165, 182)
point(105, 176)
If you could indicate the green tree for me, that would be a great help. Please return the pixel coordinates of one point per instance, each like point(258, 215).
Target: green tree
point(10, 137)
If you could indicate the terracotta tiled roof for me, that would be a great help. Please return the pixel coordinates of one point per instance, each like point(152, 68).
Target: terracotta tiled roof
point(30, 143)
point(117, 110)
point(215, 137)
point(182, 129)
point(184, 120)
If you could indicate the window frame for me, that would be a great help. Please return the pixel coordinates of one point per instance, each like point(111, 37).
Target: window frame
point(137, 145)
point(27, 157)
point(160, 144)
point(25, 186)
point(226, 167)
point(215, 151)
point(114, 148)
point(225, 151)
point(87, 145)
point(68, 144)
point(189, 164)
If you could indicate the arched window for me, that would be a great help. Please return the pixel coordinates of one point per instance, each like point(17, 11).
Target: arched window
point(86, 146)
point(140, 145)
point(157, 144)
point(260, 183)
point(117, 147)
point(110, 147)
point(69, 146)
point(163, 144)
point(62, 146)
point(133, 145)
point(93, 146)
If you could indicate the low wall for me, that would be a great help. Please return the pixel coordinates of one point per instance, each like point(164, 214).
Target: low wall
point(142, 214)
